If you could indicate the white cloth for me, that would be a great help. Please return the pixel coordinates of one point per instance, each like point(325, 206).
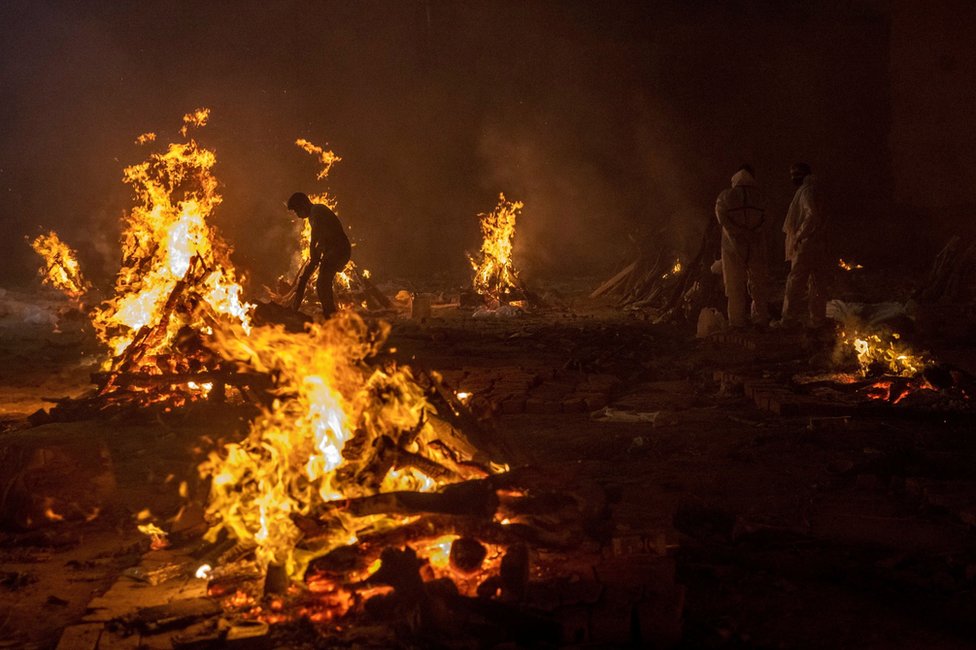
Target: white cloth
point(741, 212)
point(806, 218)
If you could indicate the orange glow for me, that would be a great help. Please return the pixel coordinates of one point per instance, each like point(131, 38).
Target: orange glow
point(886, 350)
point(61, 269)
point(494, 272)
point(169, 250)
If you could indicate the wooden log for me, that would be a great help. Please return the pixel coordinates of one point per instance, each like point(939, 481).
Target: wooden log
point(611, 284)
point(476, 498)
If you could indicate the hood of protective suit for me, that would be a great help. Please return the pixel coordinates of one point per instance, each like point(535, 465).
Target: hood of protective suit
point(743, 177)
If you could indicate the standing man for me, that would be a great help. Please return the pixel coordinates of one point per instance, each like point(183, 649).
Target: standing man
point(806, 250)
point(329, 250)
point(741, 211)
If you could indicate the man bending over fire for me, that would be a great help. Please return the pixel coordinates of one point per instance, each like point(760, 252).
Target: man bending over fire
point(329, 250)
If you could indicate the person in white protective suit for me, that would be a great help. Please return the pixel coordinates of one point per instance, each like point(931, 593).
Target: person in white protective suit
point(806, 250)
point(741, 210)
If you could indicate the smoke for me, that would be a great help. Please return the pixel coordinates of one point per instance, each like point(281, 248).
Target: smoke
point(605, 119)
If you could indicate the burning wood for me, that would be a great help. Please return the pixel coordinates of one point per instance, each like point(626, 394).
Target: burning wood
point(61, 269)
point(495, 277)
point(352, 476)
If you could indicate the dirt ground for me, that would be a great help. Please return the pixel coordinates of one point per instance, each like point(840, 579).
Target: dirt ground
point(787, 532)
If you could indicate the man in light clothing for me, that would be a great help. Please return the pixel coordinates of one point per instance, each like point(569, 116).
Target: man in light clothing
point(741, 210)
point(806, 250)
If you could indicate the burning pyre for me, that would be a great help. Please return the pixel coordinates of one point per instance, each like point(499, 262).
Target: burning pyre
point(890, 365)
point(495, 276)
point(353, 478)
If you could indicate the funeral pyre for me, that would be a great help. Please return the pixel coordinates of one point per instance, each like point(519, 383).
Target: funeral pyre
point(496, 279)
point(877, 364)
point(359, 481)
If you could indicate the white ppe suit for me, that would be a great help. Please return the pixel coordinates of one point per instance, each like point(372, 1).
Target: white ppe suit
point(741, 212)
point(806, 250)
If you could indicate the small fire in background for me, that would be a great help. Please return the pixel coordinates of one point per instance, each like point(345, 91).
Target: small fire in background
point(675, 270)
point(351, 278)
point(61, 269)
point(495, 276)
point(884, 355)
point(848, 266)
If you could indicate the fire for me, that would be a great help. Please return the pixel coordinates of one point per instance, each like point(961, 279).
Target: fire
point(848, 266)
point(176, 270)
point(675, 270)
point(156, 534)
point(61, 269)
point(326, 157)
point(349, 278)
point(318, 443)
point(886, 351)
point(494, 273)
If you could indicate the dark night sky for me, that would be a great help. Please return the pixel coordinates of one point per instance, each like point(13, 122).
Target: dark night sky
point(603, 117)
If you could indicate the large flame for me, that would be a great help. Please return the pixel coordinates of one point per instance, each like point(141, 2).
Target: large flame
point(61, 269)
point(317, 441)
point(170, 251)
point(494, 272)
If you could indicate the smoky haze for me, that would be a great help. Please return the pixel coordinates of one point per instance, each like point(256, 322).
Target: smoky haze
point(606, 119)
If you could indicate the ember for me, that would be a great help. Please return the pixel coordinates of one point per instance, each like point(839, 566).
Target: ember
point(881, 352)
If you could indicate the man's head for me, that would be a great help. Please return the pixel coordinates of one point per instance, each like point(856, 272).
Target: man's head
point(300, 204)
point(746, 167)
point(799, 171)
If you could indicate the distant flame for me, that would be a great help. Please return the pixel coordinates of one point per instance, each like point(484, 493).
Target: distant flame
point(61, 269)
point(887, 350)
point(848, 266)
point(675, 270)
point(494, 272)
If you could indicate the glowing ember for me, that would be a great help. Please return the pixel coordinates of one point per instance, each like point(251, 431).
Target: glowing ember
point(885, 351)
point(848, 266)
point(157, 534)
point(675, 270)
point(61, 269)
point(495, 274)
point(203, 572)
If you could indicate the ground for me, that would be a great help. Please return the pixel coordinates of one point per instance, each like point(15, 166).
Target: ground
point(785, 531)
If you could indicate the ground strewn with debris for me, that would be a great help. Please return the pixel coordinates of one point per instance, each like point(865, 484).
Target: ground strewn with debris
point(784, 531)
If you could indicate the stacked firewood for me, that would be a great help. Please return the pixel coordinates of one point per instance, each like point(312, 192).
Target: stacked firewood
point(952, 277)
point(652, 282)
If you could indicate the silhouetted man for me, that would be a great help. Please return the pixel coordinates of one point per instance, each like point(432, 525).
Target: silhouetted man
point(806, 250)
point(329, 250)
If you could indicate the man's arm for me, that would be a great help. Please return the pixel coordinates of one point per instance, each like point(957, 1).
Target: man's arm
point(811, 216)
point(722, 210)
point(314, 258)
